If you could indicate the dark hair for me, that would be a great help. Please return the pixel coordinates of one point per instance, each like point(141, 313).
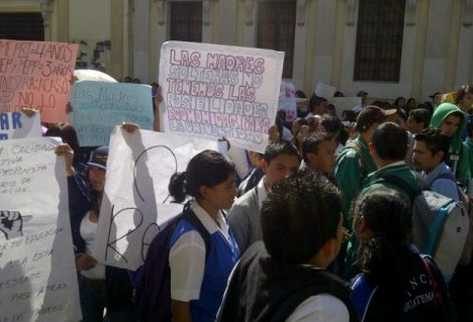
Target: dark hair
point(390, 142)
point(402, 114)
point(369, 116)
point(276, 149)
point(435, 141)
point(300, 94)
point(349, 116)
point(388, 216)
point(331, 124)
point(208, 168)
point(396, 102)
point(334, 127)
point(299, 216)
point(421, 115)
point(315, 101)
point(68, 135)
point(465, 89)
point(338, 94)
point(312, 142)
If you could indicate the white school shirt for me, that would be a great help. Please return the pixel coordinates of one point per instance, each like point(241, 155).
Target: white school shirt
point(88, 232)
point(320, 308)
point(187, 256)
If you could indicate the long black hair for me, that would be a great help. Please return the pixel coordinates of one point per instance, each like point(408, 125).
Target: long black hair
point(385, 258)
point(208, 168)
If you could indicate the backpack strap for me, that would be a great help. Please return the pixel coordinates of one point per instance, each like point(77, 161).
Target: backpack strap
point(361, 296)
point(189, 215)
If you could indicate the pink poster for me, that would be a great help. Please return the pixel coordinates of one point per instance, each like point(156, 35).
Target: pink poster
point(36, 74)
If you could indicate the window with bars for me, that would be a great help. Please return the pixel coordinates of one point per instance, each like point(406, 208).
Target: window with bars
point(379, 40)
point(186, 21)
point(276, 24)
point(21, 26)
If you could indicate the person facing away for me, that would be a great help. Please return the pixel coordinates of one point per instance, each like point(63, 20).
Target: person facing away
point(284, 278)
point(199, 273)
point(397, 283)
point(451, 122)
point(388, 150)
point(318, 152)
point(280, 160)
point(430, 152)
point(354, 162)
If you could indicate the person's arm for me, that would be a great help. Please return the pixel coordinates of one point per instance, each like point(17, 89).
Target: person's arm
point(239, 223)
point(187, 265)
point(347, 174)
point(181, 311)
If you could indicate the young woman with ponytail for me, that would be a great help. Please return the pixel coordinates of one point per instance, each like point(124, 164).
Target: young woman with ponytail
point(397, 283)
point(200, 268)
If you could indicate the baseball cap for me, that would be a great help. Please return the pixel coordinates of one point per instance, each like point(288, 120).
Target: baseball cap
point(371, 115)
point(98, 157)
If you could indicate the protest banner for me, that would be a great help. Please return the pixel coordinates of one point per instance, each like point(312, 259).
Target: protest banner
point(99, 106)
point(344, 104)
point(36, 74)
point(38, 280)
point(219, 91)
point(16, 125)
point(136, 200)
point(324, 90)
point(287, 100)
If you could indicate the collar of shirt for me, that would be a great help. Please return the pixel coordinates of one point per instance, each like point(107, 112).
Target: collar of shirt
point(440, 169)
point(208, 222)
point(262, 193)
point(392, 165)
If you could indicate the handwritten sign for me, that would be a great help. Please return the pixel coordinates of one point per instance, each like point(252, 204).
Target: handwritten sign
point(344, 104)
point(287, 100)
point(136, 202)
point(324, 90)
point(16, 125)
point(38, 281)
point(220, 91)
point(99, 106)
point(36, 74)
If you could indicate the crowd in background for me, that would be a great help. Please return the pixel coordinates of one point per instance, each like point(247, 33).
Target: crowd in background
point(319, 229)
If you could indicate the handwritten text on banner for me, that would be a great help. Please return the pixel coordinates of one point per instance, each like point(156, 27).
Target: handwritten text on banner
point(99, 106)
point(37, 270)
point(220, 91)
point(36, 74)
point(136, 202)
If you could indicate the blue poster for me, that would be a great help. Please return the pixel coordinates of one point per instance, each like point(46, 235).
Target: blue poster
point(99, 106)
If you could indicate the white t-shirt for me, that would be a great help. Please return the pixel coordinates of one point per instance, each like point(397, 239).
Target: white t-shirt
point(187, 256)
point(88, 232)
point(320, 308)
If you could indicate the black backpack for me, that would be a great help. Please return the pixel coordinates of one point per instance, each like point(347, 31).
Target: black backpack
point(153, 280)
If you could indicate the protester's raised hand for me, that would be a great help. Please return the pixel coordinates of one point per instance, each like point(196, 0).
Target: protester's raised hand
point(85, 262)
point(64, 150)
point(11, 224)
point(130, 127)
point(30, 112)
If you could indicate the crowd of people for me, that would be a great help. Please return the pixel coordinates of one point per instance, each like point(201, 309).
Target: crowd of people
point(319, 229)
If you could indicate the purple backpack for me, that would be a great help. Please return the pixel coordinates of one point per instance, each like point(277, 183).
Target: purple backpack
point(153, 280)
